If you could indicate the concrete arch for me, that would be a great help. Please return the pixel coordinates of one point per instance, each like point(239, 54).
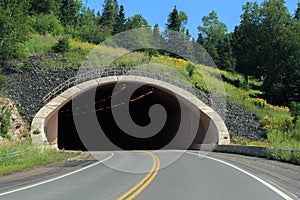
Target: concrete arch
point(46, 120)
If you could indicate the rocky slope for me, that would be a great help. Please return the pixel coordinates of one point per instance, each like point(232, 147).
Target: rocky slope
point(17, 127)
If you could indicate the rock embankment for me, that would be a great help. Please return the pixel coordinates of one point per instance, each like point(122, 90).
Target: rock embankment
point(239, 121)
point(28, 88)
point(17, 129)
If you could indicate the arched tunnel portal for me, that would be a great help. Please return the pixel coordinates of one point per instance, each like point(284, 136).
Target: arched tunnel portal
point(82, 118)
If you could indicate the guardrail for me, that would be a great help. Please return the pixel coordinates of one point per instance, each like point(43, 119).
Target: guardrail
point(91, 74)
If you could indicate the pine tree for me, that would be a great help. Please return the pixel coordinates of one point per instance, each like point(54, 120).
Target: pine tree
point(44, 7)
point(158, 40)
point(119, 26)
point(246, 41)
point(69, 12)
point(297, 13)
point(178, 42)
point(227, 60)
point(200, 39)
point(187, 33)
point(109, 14)
point(173, 20)
point(278, 50)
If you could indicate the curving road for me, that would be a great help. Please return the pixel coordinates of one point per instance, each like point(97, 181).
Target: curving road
point(190, 177)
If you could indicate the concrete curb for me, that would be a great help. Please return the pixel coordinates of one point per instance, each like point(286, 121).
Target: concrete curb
point(255, 151)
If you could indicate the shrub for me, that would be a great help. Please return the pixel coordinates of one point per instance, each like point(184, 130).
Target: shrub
point(36, 132)
point(279, 124)
point(63, 45)
point(39, 44)
point(48, 24)
point(3, 80)
point(190, 68)
point(27, 66)
point(295, 111)
point(5, 120)
point(285, 154)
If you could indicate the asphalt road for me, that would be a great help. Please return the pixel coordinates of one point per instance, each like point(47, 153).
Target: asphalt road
point(147, 175)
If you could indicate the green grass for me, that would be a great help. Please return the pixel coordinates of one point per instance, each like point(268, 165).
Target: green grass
point(28, 156)
point(39, 44)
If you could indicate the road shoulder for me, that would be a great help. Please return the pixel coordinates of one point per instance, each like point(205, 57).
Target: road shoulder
point(39, 174)
point(284, 176)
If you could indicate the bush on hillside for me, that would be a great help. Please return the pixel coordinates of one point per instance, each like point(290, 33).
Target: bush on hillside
point(63, 45)
point(50, 24)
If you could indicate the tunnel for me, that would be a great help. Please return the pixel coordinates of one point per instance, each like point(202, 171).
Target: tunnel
point(143, 98)
point(86, 116)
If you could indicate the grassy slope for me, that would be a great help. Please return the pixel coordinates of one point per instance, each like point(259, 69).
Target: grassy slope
point(23, 155)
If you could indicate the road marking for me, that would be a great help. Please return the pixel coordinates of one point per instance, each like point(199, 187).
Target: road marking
point(276, 190)
point(140, 186)
point(54, 179)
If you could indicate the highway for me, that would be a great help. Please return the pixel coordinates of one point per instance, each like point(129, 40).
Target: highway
point(151, 175)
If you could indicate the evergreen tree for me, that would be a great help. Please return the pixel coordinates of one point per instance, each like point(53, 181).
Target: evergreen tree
point(109, 14)
point(178, 42)
point(177, 20)
point(69, 10)
point(200, 39)
point(297, 13)
point(293, 62)
point(246, 41)
point(158, 40)
point(119, 26)
point(44, 7)
point(98, 17)
point(227, 60)
point(86, 17)
point(279, 46)
point(173, 20)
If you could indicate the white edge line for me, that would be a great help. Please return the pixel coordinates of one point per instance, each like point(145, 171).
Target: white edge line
point(274, 189)
point(54, 179)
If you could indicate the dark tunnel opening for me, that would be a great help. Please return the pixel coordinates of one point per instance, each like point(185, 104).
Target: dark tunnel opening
point(72, 137)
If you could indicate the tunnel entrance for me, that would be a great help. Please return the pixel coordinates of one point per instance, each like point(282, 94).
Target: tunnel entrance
point(141, 101)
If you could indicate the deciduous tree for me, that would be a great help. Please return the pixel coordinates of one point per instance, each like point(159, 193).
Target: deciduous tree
point(14, 28)
point(216, 41)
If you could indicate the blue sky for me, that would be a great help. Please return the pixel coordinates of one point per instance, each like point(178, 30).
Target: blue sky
point(156, 11)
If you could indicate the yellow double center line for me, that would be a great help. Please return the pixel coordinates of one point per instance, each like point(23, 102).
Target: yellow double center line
point(140, 186)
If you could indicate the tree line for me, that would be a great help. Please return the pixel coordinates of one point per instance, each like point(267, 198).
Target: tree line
point(265, 44)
